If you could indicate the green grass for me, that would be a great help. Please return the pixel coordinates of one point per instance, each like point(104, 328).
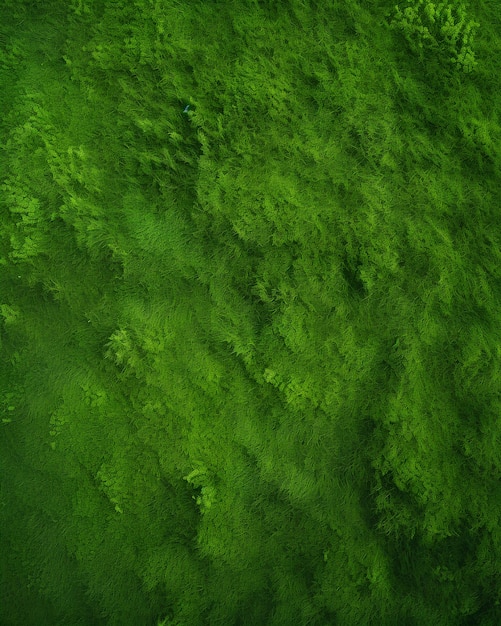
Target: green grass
point(250, 351)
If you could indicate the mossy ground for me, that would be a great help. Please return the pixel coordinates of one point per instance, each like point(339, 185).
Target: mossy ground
point(250, 351)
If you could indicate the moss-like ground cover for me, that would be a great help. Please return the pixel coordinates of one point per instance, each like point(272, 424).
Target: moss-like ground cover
point(250, 306)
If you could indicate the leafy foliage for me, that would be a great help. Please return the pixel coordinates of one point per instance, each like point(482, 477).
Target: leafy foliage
point(442, 28)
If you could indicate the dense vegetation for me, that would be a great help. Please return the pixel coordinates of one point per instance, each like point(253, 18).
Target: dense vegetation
point(250, 293)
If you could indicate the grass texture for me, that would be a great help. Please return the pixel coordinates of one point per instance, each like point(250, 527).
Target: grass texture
point(250, 300)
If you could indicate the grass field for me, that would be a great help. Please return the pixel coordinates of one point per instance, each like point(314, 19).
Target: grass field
point(250, 313)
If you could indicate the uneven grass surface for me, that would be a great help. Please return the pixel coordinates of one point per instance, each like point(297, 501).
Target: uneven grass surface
point(250, 305)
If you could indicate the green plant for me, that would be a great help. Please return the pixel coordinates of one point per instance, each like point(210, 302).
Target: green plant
point(441, 28)
point(200, 478)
